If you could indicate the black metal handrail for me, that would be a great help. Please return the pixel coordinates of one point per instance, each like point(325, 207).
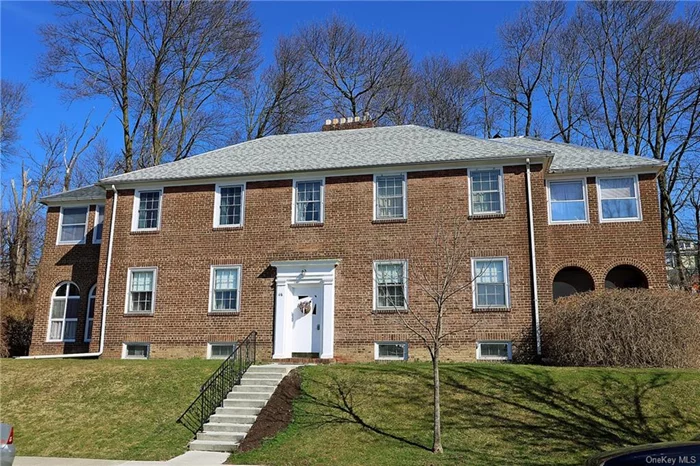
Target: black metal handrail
point(217, 387)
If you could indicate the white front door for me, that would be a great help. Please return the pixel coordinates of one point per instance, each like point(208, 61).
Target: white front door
point(306, 314)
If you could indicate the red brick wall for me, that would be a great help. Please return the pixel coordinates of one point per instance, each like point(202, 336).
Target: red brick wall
point(187, 245)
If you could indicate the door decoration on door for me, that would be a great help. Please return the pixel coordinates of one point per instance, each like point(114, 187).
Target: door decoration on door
point(305, 304)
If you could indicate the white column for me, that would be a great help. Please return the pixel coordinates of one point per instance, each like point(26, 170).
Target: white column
point(328, 321)
point(281, 322)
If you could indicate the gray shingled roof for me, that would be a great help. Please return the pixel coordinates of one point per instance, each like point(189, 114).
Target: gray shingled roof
point(86, 193)
point(352, 148)
point(572, 157)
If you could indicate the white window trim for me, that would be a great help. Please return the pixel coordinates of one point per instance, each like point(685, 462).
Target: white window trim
point(494, 358)
point(64, 320)
point(405, 195)
point(136, 343)
point(402, 343)
point(294, 200)
point(638, 218)
point(95, 240)
point(212, 271)
point(217, 204)
point(501, 187)
point(60, 224)
point(127, 300)
point(91, 293)
point(584, 184)
point(506, 266)
point(375, 284)
point(220, 343)
point(135, 209)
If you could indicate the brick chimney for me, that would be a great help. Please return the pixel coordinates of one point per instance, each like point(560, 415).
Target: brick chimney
point(348, 123)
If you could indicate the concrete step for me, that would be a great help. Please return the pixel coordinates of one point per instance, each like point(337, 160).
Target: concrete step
point(226, 427)
point(258, 381)
point(263, 375)
point(266, 389)
point(238, 411)
point(270, 369)
point(237, 403)
point(252, 396)
point(213, 445)
point(232, 419)
point(222, 436)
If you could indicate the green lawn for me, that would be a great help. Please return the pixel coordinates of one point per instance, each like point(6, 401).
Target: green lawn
point(492, 414)
point(100, 408)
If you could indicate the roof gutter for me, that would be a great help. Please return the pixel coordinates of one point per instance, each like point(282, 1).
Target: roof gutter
point(533, 261)
point(104, 299)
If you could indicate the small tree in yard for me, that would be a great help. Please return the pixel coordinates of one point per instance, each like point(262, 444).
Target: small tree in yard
point(441, 276)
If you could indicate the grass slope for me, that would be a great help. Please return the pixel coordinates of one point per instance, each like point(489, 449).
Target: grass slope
point(381, 414)
point(100, 408)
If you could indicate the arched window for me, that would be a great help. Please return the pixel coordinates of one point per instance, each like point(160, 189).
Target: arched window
point(63, 320)
point(571, 280)
point(90, 315)
point(626, 276)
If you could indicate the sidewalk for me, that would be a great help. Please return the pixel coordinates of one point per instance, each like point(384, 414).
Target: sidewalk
point(191, 458)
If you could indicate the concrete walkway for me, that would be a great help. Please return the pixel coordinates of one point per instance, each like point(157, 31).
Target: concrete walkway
point(191, 458)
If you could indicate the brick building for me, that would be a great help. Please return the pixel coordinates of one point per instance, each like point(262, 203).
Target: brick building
point(308, 239)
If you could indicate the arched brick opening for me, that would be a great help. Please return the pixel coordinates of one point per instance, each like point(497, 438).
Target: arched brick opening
point(626, 276)
point(571, 280)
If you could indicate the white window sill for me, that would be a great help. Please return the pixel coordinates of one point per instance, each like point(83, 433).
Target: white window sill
point(619, 220)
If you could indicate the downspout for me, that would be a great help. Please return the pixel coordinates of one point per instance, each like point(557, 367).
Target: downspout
point(533, 261)
point(104, 300)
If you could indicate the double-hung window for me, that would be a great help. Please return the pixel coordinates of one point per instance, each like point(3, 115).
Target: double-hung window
point(73, 224)
point(619, 199)
point(486, 196)
point(490, 280)
point(63, 321)
point(567, 201)
point(228, 209)
point(390, 285)
point(141, 291)
point(308, 201)
point(390, 197)
point(225, 288)
point(147, 207)
point(99, 221)
point(90, 314)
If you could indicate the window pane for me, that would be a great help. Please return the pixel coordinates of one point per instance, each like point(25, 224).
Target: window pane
point(72, 308)
point(568, 211)
point(225, 300)
point(141, 301)
point(390, 197)
point(71, 327)
point(566, 191)
point(100, 220)
point(308, 202)
point(226, 279)
point(72, 232)
point(142, 281)
point(137, 351)
point(230, 206)
point(619, 208)
point(91, 305)
point(149, 205)
point(490, 295)
point(56, 330)
point(75, 215)
point(490, 271)
point(486, 195)
point(88, 335)
point(58, 309)
point(617, 188)
point(391, 350)
point(73, 290)
point(494, 350)
point(221, 351)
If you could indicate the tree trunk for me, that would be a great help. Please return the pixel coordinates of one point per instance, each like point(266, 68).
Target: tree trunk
point(437, 425)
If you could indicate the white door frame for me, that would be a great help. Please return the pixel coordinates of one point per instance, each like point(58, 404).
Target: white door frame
point(312, 272)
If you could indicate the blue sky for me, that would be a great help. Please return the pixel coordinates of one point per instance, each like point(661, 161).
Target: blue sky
point(452, 28)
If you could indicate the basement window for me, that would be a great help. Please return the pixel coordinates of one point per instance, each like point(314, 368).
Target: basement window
point(220, 350)
point(494, 350)
point(391, 351)
point(136, 351)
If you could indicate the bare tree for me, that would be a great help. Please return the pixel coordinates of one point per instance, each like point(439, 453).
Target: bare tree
point(167, 66)
point(359, 72)
point(445, 93)
point(283, 99)
point(13, 103)
point(525, 43)
point(441, 278)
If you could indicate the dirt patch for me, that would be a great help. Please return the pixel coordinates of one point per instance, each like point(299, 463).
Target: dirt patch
point(276, 415)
